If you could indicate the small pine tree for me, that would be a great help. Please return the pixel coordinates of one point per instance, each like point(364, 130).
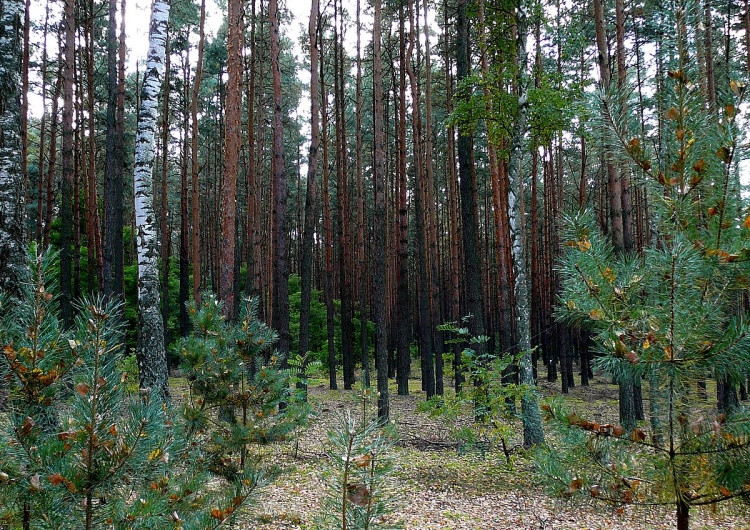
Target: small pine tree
point(76, 449)
point(668, 316)
point(238, 393)
point(357, 474)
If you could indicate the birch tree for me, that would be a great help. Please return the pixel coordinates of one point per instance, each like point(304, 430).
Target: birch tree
point(150, 351)
point(532, 423)
point(11, 177)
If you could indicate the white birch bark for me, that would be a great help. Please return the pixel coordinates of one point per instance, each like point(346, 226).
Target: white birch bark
point(533, 434)
point(12, 255)
point(150, 351)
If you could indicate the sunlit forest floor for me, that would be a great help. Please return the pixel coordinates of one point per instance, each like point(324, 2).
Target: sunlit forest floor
point(441, 484)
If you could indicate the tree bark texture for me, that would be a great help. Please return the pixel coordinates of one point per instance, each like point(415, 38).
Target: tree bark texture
point(531, 418)
point(68, 169)
point(280, 311)
point(150, 351)
point(195, 212)
point(12, 192)
point(379, 301)
point(626, 398)
point(467, 189)
point(308, 235)
point(112, 253)
point(232, 140)
point(344, 225)
point(403, 305)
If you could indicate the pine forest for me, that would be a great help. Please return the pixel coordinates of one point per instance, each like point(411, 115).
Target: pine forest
point(359, 264)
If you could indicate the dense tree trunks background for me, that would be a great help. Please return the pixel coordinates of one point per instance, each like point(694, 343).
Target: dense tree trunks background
point(421, 177)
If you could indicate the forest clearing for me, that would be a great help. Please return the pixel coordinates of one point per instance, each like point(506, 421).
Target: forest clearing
point(440, 485)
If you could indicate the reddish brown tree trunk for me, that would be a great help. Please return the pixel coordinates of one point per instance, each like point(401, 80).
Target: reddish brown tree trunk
point(50, 177)
point(379, 302)
point(433, 254)
point(344, 224)
point(361, 278)
point(68, 170)
point(93, 239)
point(328, 233)
point(195, 211)
point(403, 304)
point(232, 140)
point(308, 236)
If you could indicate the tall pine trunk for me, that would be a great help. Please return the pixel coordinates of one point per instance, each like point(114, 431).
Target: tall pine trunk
point(342, 195)
point(68, 169)
point(308, 235)
point(280, 304)
point(379, 302)
point(361, 275)
point(232, 140)
point(328, 238)
point(112, 253)
point(626, 398)
point(403, 305)
point(467, 188)
point(195, 212)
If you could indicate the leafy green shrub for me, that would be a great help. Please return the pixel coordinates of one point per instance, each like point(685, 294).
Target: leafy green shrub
point(488, 392)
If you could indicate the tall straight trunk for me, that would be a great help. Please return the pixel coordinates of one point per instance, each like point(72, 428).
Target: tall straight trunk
point(12, 192)
point(252, 279)
point(195, 211)
point(311, 210)
point(77, 165)
point(42, 132)
point(328, 238)
point(232, 140)
point(50, 177)
point(537, 278)
point(379, 307)
point(532, 423)
point(68, 169)
point(627, 206)
point(280, 273)
point(433, 254)
point(25, 94)
point(184, 250)
point(344, 225)
point(708, 49)
point(454, 202)
point(499, 184)
point(467, 188)
point(423, 220)
point(93, 239)
point(403, 304)
point(361, 279)
point(613, 175)
point(164, 199)
point(119, 258)
point(150, 351)
point(626, 398)
point(112, 254)
point(393, 233)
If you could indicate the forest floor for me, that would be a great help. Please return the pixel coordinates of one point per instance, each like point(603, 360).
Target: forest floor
point(438, 486)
